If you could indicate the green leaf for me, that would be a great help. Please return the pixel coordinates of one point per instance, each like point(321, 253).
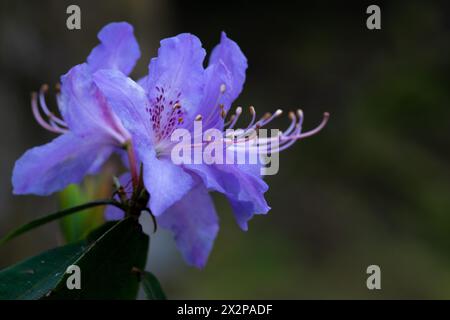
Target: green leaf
point(106, 258)
point(152, 287)
point(108, 265)
point(54, 216)
point(33, 278)
point(76, 227)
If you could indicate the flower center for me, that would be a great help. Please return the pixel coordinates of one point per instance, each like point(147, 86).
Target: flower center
point(166, 114)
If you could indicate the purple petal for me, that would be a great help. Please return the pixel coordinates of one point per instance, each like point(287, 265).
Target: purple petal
point(166, 182)
point(229, 53)
point(67, 159)
point(194, 223)
point(129, 102)
point(244, 190)
point(118, 49)
point(250, 198)
point(228, 64)
point(143, 82)
point(85, 109)
point(177, 73)
point(217, 76)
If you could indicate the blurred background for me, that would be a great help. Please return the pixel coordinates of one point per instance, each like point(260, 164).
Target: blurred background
point(372, 188)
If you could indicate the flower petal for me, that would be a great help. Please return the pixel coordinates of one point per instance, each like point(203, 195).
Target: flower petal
point(67, 159)
point(244, 190)
point(229, 53)
point(85, 109)
point(178, 70)
point(129, 102)
point(194, 223)
point(118, 49)
point(166, 182)
point(214, 100)
point(227, 65)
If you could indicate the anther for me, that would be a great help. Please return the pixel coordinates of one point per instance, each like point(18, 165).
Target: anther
point(291, 115)
point(44, 87)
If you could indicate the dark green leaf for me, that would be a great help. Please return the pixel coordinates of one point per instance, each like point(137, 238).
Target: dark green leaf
point(152, 287)
point(107, 259)
point(108, 266)
point(33, 278)
point(55, 216)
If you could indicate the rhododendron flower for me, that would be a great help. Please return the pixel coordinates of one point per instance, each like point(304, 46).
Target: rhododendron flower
point(177, 92)
point(104, 111)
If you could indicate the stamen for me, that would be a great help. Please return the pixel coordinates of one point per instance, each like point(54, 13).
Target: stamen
point(230, 121)
point(223, 87)
point(285, 140)
point(300, 116)
point(253, 113)
point(325, 118)
point(38, 117)
point(275, 115)
point(237, 113)
point(198, 117)
point(53, 119)
point(292, 125)
point(42, 92)
point(298, 135)
point(223, 113)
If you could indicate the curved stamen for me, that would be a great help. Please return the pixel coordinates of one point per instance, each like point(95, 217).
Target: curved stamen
point(253, 113)
point(229, 121)
point(43, 90)
point(235, 119)
point(268, 117)
point(286, 141)
point(38, 117)
point(276, 114)
point(238, 141)
point(292, 125)
point(287, 132)
point(312, 132)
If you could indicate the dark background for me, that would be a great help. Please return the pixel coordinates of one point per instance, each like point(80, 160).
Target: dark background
point(372, 188)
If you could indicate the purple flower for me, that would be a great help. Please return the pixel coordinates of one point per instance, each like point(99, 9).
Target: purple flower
point(104, 111)
point(89, 130)
point(177, 92)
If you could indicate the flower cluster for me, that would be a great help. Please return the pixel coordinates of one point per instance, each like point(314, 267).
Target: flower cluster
point(103, 111)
